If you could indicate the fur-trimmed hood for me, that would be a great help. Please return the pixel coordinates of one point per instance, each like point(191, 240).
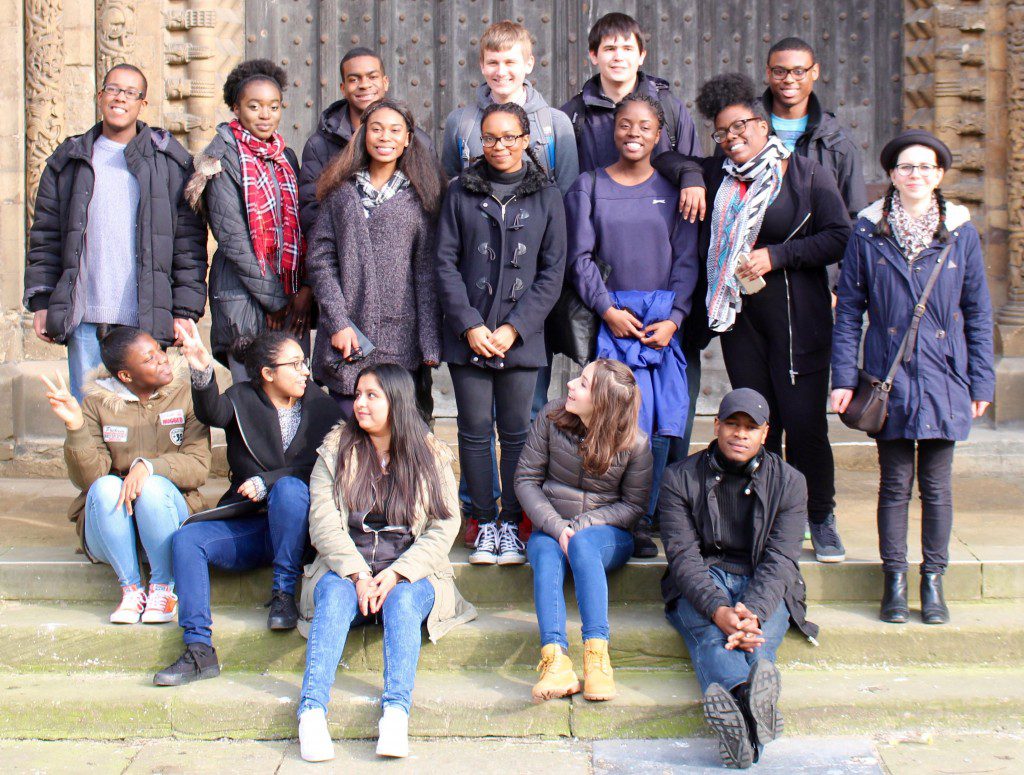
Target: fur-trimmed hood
point(956, 215)
point(208, 164)
point(474, 179)
point(114, 395)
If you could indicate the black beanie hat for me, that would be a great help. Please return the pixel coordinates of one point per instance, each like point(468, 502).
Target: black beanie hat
point(892, 149)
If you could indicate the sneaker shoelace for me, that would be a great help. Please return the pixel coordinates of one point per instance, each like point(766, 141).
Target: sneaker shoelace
point(159, 599)
point(508, 540)
point(133, 600)
point(487, 538)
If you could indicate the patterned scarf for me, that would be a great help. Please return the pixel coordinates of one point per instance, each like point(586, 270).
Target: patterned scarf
point(746, 194)
point(913, 234)
point(273, 226)
point(370, 197)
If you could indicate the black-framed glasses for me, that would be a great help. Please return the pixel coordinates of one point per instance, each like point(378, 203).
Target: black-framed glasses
point(132, 95)
point(490, 141)
point(906, 170)
point(299, 365)
point(798, 73)
point(736, 128)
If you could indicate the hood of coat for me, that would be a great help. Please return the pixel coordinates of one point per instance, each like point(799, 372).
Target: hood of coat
point(956, 214)
point(534, 99)
point(208, 164)
point(474, 179)
point(148, 139)
point(821, 125)
point(648, 85)
point(113, 393)
point(335, 123)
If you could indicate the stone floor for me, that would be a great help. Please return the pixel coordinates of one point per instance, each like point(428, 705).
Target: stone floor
point(799, 755)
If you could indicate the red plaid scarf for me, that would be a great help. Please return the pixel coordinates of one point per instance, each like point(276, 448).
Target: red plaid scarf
point(276, 236)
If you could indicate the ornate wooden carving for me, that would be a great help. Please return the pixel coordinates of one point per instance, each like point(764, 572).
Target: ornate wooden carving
point(44, 103)
point(1013, 311)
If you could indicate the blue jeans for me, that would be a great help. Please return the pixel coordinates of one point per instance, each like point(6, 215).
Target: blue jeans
point(540, 395)
point(83, 356)
point(706, 643)
point(110, 533)
point(336, 609)
point(279, 538)
point(593, 552)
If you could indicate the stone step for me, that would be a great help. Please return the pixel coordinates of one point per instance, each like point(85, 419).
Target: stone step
point(37, 573)
point(485, 704)
point(61, 638)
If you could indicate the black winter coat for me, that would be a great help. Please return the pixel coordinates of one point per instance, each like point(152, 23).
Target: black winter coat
point(499, 264)
point(253, 432)
point(556, 492)
point(170, 239)
point(241, 294)
point(691, 525)
point(820, 240)
point(333, 132)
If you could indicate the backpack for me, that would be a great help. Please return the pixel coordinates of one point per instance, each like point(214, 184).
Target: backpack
point(578, 116)
point(470, 122)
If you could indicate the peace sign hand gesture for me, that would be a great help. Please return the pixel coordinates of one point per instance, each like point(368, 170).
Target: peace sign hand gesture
point(64, 405)
point(192, 346)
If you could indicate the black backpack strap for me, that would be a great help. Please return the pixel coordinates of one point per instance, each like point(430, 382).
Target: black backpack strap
point(668, 104)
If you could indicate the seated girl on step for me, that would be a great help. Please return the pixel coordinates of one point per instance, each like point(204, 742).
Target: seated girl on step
point(139, 456)
point(383, 517)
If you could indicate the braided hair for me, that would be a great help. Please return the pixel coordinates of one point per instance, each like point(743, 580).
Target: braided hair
point(883, 229)
point(516, 111)
point(644, 99)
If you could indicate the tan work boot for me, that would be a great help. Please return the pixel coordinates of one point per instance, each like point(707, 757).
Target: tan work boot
point(557, 678)
point(598, 682)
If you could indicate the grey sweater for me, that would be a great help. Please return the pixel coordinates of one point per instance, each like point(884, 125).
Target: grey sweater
point(376, 273)
point(111, 290)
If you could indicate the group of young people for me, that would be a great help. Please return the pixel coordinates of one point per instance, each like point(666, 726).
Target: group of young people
point(335, 476)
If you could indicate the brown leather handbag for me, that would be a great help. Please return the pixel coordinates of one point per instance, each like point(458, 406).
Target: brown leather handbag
point(869, 406)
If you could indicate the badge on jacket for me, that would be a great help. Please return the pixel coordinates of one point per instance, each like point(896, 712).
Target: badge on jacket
point(173, 417)
point(177, 435)
point(117, 434)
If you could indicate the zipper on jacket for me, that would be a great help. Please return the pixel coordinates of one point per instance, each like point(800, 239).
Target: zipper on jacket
point(789, 307)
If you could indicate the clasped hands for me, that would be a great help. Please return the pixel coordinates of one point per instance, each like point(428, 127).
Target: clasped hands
point(624, 323)
point(742, 628)
point(491, 344)
point(372, 592)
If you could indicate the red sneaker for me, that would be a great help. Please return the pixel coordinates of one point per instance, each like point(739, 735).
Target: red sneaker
point(472, 531)
point(525, 529)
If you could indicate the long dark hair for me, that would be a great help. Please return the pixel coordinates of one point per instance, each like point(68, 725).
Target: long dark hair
point(613, 425)
point(417, 162)
point(883, 229)
point(412, 468)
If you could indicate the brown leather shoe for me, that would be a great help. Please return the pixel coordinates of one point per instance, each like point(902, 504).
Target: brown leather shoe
point(598, 678)
point(557, 677)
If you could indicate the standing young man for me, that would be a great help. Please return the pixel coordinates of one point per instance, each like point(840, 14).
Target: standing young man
point(804, 127)
point(113, 240)
point(363, 82)
point(506, 58)
point(732, 518)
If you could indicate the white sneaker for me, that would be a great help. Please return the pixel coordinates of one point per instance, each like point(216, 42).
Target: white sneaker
point(315, 744)
point(486, 552)
point(393, 733)
point(511, 551)
point(161, 605)
point(133, 603)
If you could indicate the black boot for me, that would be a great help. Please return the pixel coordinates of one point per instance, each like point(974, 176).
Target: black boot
point(762, 690)
point(894, 599)
point(725, 717)
point(284, 615)
point(643, 543)
point(198, 661)
point(933, 602)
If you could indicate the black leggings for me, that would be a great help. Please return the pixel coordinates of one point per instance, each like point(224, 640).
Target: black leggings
point(896, 459)
point(484, 397)
point(756, 356)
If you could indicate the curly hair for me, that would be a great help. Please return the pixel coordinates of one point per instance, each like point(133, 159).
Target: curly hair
point(249, 71)
point(727, 89)
point(643, 99)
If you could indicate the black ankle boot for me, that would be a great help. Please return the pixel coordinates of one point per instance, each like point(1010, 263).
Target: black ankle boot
point(197, 662)
point(284, 614)
point(894, 599)
point(933, 602)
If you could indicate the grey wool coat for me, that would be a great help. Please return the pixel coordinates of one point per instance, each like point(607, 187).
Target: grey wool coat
point(377, 274)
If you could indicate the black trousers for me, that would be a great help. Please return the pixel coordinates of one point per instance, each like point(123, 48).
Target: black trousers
point(483, 398)
point(756, 355)
point(934, 463)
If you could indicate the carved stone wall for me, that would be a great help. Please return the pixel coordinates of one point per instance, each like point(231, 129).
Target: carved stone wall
point(44, 99)
point(1012, 312)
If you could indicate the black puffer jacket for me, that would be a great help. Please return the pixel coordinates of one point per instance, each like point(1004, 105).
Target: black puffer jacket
point(499, 264)
point(556, 492)
point(241, 295)
point(691, 526)
point(253, 432)
point(170, 239)
point(333, 132)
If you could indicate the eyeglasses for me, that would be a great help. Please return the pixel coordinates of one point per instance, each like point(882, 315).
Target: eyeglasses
point(736, 128)
point(299, 366)
point(490, 141)
point(798, 73)
point(906, 170)
point(132, 95)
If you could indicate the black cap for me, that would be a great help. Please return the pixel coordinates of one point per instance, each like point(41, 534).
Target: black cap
point(891, 151)
point(746, 400)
